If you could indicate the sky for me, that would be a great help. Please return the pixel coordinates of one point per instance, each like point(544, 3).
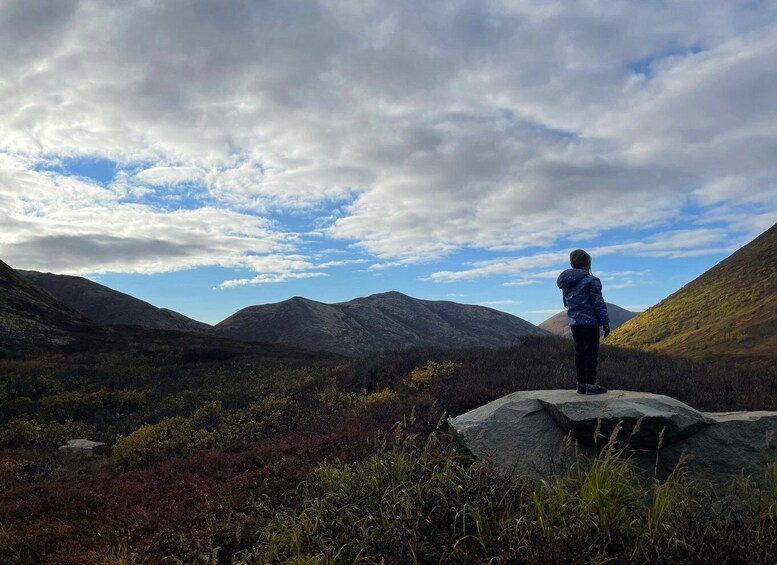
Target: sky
point(207, 155)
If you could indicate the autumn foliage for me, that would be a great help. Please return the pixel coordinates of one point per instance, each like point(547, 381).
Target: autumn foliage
point(208, 455)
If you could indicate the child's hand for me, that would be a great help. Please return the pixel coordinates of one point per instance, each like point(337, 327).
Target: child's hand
point(606, 330)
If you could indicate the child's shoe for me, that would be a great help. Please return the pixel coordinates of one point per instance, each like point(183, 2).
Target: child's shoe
point(594, 389)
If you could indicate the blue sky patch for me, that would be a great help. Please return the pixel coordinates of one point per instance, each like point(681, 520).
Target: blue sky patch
point(96, 169)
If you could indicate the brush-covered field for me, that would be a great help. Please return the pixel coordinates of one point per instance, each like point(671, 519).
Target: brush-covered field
point(222, 455)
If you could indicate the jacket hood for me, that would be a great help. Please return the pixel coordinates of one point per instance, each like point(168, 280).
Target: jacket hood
point(569, 278)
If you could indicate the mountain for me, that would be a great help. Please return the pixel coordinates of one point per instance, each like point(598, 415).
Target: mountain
point(557, 324)
point(381, 321)
point(33, 322)
point(728, 313)
point(110, 307)
point(31, 316)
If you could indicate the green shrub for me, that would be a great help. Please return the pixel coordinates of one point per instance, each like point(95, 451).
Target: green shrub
point(273, 414)
point(382, 396)
point(130, 399)
point(332, 400)
point(30, 434)
point(209, 416)
point(421, 377)
point(74, 404)
point(154, 443)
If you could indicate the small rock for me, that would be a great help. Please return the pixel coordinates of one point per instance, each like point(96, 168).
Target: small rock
point(82, 447)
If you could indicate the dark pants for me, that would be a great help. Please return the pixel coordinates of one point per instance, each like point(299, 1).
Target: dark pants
point(586, 353)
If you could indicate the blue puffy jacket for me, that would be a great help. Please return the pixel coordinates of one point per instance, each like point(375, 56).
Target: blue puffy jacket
point(583, 300)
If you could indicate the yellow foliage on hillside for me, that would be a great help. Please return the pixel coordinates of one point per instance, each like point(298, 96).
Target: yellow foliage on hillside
point(728, 313)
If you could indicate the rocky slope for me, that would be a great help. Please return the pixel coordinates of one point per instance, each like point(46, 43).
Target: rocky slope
point(557, 323)
point(110, 307)
point(728, 313)
point(30, 315)
point(381, 321)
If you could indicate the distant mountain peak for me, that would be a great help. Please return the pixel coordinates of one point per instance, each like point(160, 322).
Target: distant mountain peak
point(393, 294)
point(385, 320)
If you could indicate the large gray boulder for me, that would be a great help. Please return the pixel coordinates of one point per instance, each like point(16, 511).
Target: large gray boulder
point(540, 432)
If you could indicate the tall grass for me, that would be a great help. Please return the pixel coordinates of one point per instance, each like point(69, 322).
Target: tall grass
point(431, 504)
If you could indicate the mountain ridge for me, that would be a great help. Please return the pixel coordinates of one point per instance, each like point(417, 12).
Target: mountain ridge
point(387, 320)
point(106, 306)
point(728, 312)
point(31, 316)
point(379, 321)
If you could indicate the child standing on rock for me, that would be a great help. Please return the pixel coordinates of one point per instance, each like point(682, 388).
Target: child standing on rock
point(586, 312)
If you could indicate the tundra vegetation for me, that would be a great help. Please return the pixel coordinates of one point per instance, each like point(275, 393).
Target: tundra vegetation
point(228, 456)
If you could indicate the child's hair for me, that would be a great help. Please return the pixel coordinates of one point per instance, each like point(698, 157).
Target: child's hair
point(579, 259)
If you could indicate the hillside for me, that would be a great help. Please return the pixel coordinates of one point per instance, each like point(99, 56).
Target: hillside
point(557, 323)
point(381, 321)
point(110, 307)
point(36, 326)
point(31, 316)
point(728, 313)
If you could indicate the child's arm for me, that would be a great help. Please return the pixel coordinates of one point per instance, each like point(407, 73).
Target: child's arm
point(600, 308)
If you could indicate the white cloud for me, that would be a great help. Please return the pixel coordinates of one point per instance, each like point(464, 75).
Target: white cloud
point(67, 225)
point(507, 266)
point(341, 263)
point(169, 175)
point(282, 268)
point(265, 278)
point(429, 127)
point(545, 311)
point(672, 244)
point(524, 282)
point(500, 302)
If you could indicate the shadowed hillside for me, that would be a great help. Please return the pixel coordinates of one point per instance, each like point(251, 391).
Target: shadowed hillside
point(107, 306)
point(31, 316)
point(380, 321)
point(35, 325)
point(728, 313)
point(557, 324)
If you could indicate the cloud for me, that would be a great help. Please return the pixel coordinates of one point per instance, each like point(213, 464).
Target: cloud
point(169, 175)
point(409, 130)
point(524, 282)
point(282, 268)
point(341, 263)
point(268, 278)
point(545, 311)
point(672, 244)
point(506, 266)
point(500, 302)
point(64, 224)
